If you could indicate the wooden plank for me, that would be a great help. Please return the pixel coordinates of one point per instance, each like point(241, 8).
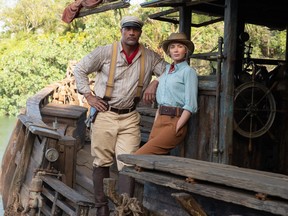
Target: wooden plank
point(84, 157)
point(84, 179)
point(8, 165)
point(38, 127)
point(218, 192)
point(67, 159)
point(59, 203)
point(247, 179)
point(64, 110)
point(34, 103)
point(105, 7)
point(35, 162)
point(66, 191)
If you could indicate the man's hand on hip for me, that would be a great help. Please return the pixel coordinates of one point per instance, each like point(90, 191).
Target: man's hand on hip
point(96, 102)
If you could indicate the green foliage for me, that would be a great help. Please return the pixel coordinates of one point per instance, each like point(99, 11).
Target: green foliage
point(36, 46)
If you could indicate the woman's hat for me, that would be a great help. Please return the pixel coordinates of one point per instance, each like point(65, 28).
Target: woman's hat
point(178, 38)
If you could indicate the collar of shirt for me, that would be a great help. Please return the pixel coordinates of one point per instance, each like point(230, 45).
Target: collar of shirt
point(132, 56)
point(174, 67)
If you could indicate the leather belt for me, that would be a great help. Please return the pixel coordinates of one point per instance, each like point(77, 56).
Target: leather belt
point(170, 111)
point(121, 111)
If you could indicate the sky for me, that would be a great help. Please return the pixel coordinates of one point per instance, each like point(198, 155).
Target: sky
point(10, 3)
point(136, 1)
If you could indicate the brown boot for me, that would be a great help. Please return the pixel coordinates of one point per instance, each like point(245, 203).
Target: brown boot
point(101, 201)
point(126, 184)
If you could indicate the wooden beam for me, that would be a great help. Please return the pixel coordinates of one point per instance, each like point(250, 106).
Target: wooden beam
point(272, 184)
point(104, 8)
point(222, 193)
point(37, 127)
point(227, 79)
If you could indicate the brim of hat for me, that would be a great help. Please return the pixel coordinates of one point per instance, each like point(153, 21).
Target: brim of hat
point(189, 44)
point(132, 25)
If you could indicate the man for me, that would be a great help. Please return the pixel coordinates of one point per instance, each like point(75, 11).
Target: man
point(116, 128)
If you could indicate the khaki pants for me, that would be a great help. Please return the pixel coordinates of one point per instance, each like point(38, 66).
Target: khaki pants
point(163, 136)
point(112, 135)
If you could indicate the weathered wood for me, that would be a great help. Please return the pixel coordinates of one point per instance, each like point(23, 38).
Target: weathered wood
point(71, 115)
point(63, 110)
point(41, 98)
point(227, 80)
point(189, 204)
point(105, 7)
point(67, 159)
point(62, 205)
point(247, 179)
point(8, 165)
point(21, 169)
point(66, 191)
point(33, 103)
point(84, 178)
point(218, 192)
point(38, 127)
point(35, 162)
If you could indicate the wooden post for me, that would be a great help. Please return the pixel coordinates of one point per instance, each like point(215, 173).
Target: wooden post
point(227, 94)
point(185, 14)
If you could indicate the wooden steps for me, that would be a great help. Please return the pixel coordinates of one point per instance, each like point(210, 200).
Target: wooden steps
point(63, 197)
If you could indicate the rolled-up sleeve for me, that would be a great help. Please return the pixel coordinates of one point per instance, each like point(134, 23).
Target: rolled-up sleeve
point(191, 91)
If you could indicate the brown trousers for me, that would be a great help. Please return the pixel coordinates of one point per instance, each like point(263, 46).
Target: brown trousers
point(163, 136)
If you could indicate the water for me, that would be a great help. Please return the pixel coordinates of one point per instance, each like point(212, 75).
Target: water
point(6, 128)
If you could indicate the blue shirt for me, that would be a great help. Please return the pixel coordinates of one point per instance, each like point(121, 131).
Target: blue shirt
point(179, 88)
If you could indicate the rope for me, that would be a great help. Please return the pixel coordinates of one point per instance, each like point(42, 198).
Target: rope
point(15, 208)
point(128, 206)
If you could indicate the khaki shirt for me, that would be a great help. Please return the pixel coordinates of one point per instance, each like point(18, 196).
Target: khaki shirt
point(126, 76)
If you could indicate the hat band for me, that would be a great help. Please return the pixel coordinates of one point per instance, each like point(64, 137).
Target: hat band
point(132, 24)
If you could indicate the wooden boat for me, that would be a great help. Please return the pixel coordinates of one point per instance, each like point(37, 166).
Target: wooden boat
point(223, 168)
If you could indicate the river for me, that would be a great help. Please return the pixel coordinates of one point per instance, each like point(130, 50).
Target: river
point(6, 128)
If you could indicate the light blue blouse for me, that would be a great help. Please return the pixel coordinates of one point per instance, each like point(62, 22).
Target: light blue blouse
point(179, 88)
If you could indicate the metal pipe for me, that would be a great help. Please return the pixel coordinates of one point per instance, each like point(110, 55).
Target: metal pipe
point(217, 101)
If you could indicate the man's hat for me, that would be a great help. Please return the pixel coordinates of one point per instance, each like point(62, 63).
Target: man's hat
point(177, 38)
point(131, 21)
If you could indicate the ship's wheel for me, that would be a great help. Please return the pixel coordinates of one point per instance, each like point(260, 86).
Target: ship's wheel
point(254, 109)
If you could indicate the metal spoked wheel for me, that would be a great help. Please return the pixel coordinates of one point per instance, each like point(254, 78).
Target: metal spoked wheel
point(254, 109)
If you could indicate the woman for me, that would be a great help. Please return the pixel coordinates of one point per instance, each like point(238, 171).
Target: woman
point(176, 96)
